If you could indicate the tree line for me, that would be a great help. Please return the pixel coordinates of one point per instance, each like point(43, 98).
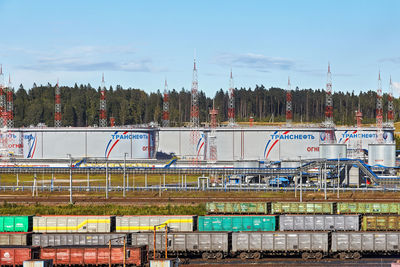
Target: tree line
point(130, 106)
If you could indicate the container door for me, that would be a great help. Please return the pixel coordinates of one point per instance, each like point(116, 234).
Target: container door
point(250, 223)
point(336, 223)
point(392, 240)
point(322, 222)
point(380, 242)
point(9, 224)
point(280, 242)
point(227, 223)
point(355, 242)
point(309, 222)
point(304, 241)
point(255, 241)
point(298, 223)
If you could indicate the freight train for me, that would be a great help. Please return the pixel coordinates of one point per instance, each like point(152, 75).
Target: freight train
point(311, 230)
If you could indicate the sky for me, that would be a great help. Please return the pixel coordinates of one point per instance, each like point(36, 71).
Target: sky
point(139, 44)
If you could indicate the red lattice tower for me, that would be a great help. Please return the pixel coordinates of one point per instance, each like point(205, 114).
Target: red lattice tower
point(212, 139)
point(112, 121)
point(57, 107)
point(390, 115)
point(10, 104)
point(231, 107)
point(379, 111)
point(194, 114)
point(165, 114)
point(3, 109)
point(359, 117)
point(289, 114)
point(329, 100)
point(103, 104)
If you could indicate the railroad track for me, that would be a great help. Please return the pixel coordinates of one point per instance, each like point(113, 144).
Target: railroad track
point(167, 200)
point(288, 261)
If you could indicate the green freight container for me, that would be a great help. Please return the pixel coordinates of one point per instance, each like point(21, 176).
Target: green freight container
point(367, 208)
point(302, 208)
point(237, 223)
point(381, 223)
point(237, 207)
point(15, 223)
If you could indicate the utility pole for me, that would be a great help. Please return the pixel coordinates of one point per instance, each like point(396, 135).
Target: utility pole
point(70, 179)
point(103, 104)
point(124, 189)
point(301, 180)
point(106, 178)
point(325, 180)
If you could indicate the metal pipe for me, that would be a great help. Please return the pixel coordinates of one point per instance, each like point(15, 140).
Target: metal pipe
point(301, 181)
point(325, 174)
point(166, 241)
point(106, 179)
point(124, 177)
point(154, 243)
point(70, 179)
point(338, 175)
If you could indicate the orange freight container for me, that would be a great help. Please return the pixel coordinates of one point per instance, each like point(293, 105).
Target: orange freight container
point(15, 256)
point(82, 256)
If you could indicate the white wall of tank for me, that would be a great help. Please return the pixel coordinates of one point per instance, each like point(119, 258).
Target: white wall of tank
point(247, 143)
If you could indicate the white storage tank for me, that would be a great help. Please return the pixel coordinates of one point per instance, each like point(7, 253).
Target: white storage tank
point(332, 151)
point(382, 154)
point(246, 164)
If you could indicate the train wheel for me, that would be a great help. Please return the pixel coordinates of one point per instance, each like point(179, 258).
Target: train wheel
point(256, 255)
point(219, 255)
point(244, 255)
point(205, 256)
point(342, 255)
point(356, 255)
point(318, 256)
point(305, 255)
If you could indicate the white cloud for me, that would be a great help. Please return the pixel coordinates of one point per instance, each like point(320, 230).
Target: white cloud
point(255, 61)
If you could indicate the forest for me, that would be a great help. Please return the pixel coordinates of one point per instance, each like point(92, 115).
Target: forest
point(129, 106)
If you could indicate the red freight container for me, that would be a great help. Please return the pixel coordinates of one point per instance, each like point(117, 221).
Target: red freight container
point(15, 256)
point(135, 255)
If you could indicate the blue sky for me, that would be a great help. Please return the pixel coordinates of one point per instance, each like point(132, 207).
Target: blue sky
point(140, 43)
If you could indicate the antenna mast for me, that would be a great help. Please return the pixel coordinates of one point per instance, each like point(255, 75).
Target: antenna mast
point(10, 104)
point(379, 111)
point(165, 115)
point(103, 104)
point(231, 107)
point(289, 114)
point(57, 113)
point(390, 114)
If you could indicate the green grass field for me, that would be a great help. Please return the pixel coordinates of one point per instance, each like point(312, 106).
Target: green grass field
point(95, 179)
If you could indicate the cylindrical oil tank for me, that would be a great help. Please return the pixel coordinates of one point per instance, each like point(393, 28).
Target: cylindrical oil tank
point(382, 154)
point(247, 164)
point(332, 151)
